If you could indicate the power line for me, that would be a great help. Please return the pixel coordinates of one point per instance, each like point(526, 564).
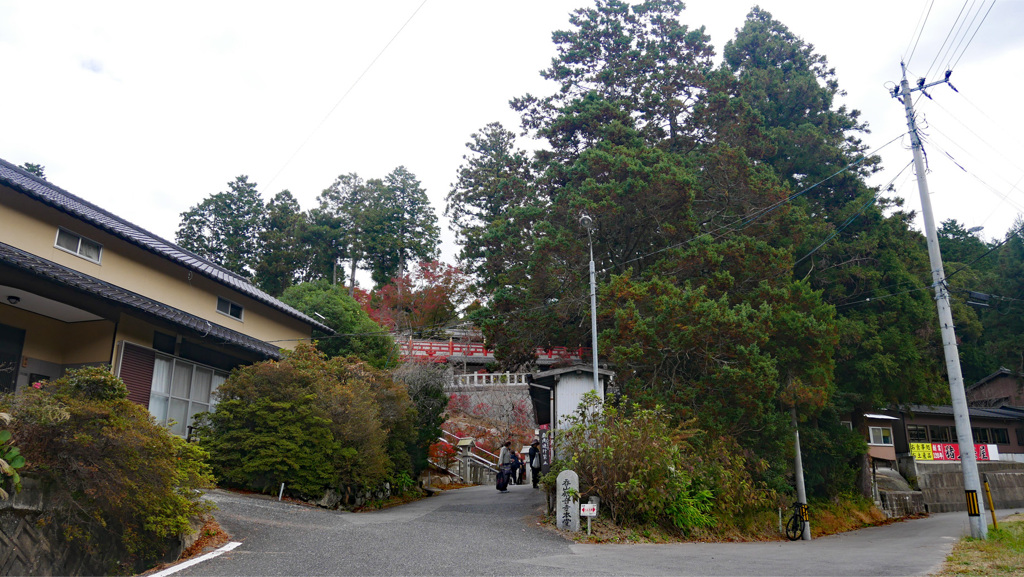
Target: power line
point(921, 21)
point(345, 95)
point(973, 35)
point(939, 56)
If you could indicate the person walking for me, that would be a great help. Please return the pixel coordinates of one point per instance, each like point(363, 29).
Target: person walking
point(534, 457)
point(504, 466)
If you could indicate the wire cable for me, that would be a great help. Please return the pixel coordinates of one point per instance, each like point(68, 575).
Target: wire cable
point(939, 51)
point(921, 21)
point(344, 96)
point(939, 56)
point(972, 36)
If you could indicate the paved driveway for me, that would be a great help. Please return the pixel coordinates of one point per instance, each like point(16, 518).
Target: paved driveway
point(478, 531)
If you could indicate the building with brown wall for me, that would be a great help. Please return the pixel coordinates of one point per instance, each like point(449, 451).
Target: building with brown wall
point(1003, 387)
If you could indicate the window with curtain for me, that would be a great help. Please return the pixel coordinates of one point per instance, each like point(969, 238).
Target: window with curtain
point(180, 390)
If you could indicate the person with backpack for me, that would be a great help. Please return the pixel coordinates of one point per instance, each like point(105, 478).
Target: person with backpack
point(534, 457)
point(504, 466)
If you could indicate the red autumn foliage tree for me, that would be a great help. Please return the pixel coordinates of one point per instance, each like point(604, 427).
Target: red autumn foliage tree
point(420, 302)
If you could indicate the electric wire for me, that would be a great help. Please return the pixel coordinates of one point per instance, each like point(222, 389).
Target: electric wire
point(344, 96)
point(939, 51)
point(939, 56)
point(921, 21)
point(750, 219)
point(972, 36)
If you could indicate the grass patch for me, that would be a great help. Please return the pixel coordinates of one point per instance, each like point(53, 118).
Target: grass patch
point(1001, 554)
point(827, 518)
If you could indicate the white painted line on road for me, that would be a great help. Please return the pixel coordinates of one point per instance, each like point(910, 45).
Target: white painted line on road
point(197, 560)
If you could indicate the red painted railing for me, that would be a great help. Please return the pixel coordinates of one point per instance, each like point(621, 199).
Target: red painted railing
point(439, 351)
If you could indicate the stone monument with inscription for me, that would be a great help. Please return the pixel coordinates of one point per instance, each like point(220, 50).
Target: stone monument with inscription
point(567, 507)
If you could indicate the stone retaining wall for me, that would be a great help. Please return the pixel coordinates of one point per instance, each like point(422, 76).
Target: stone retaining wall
point(902, 503)
point(29, 546)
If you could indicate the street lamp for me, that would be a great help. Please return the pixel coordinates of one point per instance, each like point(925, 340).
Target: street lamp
point(588, 223)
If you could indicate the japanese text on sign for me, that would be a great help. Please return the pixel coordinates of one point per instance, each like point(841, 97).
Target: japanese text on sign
point(951, 452)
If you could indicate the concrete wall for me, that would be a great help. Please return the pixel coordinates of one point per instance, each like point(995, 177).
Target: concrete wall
point(942, 485)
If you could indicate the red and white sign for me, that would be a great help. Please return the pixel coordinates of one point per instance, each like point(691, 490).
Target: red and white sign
point(588, 510)
point(951, 452)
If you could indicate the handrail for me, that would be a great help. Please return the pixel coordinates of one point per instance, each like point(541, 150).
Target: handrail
point(474, 448)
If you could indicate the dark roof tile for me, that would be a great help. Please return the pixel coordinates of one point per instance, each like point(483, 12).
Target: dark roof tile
point(63, 200)
point(80, 281)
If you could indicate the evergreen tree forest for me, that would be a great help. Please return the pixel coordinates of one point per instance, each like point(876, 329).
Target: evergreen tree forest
point(746, 268)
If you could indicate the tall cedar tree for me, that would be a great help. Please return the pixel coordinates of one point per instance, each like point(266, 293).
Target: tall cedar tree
point(223, 226)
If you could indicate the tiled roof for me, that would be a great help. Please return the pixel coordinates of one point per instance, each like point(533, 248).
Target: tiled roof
point(82, 282)
point(979, 412)
point(64, 201)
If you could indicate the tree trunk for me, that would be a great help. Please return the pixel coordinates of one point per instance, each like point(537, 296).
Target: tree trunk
point(352, 279)
point(860, 424)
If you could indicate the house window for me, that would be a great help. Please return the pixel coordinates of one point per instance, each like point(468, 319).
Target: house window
point(232, 309)
point(980, 435)
point(999, 436)
point(917, 433)
point(847, 424)
point(940, 434)
point(881, 436)
point(180, 390)
point(78, 245)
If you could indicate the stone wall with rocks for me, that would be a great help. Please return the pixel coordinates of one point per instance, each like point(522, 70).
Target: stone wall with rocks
point(29, 545)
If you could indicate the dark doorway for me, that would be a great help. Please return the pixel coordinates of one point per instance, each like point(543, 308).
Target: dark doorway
point(11, 340)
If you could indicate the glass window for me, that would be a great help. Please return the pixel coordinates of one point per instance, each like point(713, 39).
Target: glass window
point(940, 434)
point(980, 435)
point(79, 245)
point(917, 433)
point(881, 436)
point(999, 436)
point(1020, 437)
point(67, 241)
point(226, 307)
point(180, 390)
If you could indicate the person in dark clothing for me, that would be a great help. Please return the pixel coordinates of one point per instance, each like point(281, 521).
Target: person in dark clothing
point(534, 457)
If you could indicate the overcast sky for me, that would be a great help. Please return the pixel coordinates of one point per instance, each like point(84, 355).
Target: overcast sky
point(146, 108)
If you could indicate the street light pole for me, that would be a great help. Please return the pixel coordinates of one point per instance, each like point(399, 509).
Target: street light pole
point(588, 223)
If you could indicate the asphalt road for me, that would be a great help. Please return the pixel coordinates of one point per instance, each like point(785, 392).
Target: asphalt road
point(478, 531)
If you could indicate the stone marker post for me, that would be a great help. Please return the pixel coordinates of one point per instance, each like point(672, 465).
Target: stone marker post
point(567, 510)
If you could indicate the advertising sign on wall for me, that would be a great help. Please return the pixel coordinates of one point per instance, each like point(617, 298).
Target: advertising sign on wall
point(951, 452)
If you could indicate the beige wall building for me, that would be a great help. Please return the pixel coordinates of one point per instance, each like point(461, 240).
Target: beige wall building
point(80, 286)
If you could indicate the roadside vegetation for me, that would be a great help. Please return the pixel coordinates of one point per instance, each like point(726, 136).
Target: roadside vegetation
point(1001, 554)
point(316, 424)
point(118, 486)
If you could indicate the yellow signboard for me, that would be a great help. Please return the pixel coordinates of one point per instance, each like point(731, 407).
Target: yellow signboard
point(921, 451)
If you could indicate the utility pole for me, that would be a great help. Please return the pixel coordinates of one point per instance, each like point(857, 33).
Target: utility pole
point(968, 461)
point(798, 472)
point(588, 223)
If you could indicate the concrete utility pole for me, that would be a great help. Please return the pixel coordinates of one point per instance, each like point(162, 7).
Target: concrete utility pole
point(798, 472)
point(588, 223)
point(968, 461)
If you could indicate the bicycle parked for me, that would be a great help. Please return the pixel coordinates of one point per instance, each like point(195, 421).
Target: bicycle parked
point(795, 525)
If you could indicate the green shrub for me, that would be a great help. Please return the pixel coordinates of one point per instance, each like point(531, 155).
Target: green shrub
point(114, 474)
point(311, 423)
point(635, 460)
point(10, 460)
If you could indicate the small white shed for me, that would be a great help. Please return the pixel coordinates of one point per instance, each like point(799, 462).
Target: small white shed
point(558, 392)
